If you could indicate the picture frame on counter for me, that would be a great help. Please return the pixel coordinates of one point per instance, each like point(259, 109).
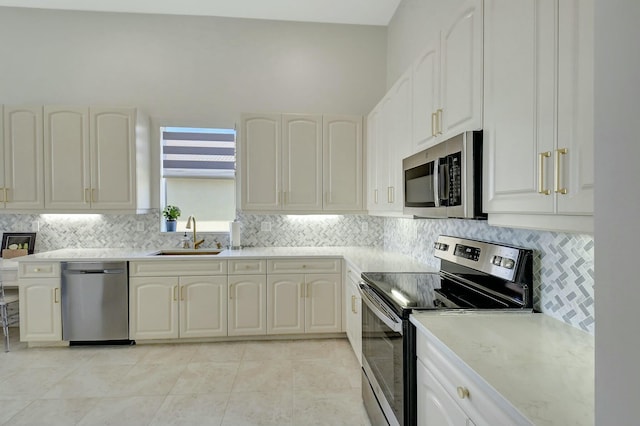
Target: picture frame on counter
point(16, 244)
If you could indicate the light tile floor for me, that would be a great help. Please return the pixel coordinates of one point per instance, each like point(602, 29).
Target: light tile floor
point(292, 382)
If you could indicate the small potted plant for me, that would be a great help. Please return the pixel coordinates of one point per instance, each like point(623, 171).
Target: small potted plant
point(171, 215)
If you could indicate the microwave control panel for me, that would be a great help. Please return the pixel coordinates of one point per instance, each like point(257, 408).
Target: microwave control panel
point(455, 179)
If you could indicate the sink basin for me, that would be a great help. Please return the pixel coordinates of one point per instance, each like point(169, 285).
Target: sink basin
point(187, 252)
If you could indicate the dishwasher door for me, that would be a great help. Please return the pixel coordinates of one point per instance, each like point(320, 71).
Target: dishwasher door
point(95, 301)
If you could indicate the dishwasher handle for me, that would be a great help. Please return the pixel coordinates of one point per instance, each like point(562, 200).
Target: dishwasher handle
point(95, 271)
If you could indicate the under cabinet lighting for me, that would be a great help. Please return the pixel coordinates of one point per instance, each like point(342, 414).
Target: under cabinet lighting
point(312, 217)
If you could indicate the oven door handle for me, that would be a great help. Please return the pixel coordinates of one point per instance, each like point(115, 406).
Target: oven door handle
point(374, 305)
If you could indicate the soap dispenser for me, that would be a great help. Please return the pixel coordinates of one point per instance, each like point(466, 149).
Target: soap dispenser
point(185, 242)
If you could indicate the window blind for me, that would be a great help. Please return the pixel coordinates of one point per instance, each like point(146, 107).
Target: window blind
point(190, 152)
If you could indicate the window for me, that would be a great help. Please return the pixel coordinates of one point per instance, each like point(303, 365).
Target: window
point(198, 175)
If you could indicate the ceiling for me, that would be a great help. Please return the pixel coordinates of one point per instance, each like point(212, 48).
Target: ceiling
point(365, 12)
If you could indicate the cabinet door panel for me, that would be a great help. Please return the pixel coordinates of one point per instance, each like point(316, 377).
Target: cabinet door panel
point(302, 161)
point(384, 152)
point(23, 158)
point(323, 307)
point(247, 313)
point(518, 105)
point(66, 136)
point(40, 310)
point(461, 71)
point(435, 406)
point(373, 191)
point(575, 106)
point(203, 306)
point(353, 318)
point(426, 96)
point(285, 304)
point(342, 162)
point(153, 308)
point(261, 161)
point(113, 149)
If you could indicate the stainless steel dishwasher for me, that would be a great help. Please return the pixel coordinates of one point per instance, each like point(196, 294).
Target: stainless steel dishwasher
point(95, 302)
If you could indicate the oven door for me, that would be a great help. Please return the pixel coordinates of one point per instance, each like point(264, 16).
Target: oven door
point(382, 358)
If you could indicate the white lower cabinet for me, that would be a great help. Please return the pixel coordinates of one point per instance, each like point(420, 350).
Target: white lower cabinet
point(322, 308)
point(436, 406)
point(285, 304)
point(40, 302)
point(353, 306)
point(247, 305)
point(153, 308)
point(177, 307)
point(203, 306)
point(449, 392)
point(299, 303)
point(40, 310)
point(305, 299)
point(170, 300)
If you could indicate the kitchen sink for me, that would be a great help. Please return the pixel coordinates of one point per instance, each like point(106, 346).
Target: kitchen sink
point(186, 252)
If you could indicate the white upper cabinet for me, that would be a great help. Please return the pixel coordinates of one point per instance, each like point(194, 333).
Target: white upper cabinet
point(21, 157)
point(438, 97)
point(260, 161)
point(342, 161)
point(389, 130)
point(372, 193)
point(575, 107)
point(301, 163)
point(426, 97)
point(66, 131)
point(110, 150)
point(538, 114)
point(461, 71)
point(447, 79)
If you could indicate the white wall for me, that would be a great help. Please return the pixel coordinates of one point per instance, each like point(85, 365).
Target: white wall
point(617, 216)
point(414, 24)
point(189, 68)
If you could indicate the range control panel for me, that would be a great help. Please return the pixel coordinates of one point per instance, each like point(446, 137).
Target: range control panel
point(467, 252)
point(494, 259)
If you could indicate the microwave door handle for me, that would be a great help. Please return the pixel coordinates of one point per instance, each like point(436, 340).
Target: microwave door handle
point(445, 179)
point(436, 182)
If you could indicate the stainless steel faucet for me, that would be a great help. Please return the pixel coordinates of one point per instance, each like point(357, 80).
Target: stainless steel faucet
point(196, 243)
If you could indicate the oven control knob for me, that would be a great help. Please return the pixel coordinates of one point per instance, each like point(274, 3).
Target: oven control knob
point(508, 263)
point(463, 392)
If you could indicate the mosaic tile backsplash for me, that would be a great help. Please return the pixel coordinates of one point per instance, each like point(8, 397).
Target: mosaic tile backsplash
point(564, 267)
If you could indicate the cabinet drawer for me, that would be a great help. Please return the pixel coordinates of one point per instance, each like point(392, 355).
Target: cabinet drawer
point(247, 267)
point(304, 266)
point(177, 267)
point(482, 403)
point(39, 270)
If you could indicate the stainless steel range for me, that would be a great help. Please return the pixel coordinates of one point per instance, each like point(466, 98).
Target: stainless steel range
point(473, 275)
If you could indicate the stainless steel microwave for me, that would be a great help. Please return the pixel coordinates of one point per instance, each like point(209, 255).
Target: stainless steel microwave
point(446, 179)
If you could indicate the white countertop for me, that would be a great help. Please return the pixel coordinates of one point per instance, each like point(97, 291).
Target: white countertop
point(543, 366)
point(364, 258)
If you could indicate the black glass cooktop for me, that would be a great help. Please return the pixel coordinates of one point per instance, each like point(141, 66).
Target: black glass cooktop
point(405, 290)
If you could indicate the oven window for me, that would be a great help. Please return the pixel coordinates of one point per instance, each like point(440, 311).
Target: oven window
point(418, 186)
point(383, 350)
